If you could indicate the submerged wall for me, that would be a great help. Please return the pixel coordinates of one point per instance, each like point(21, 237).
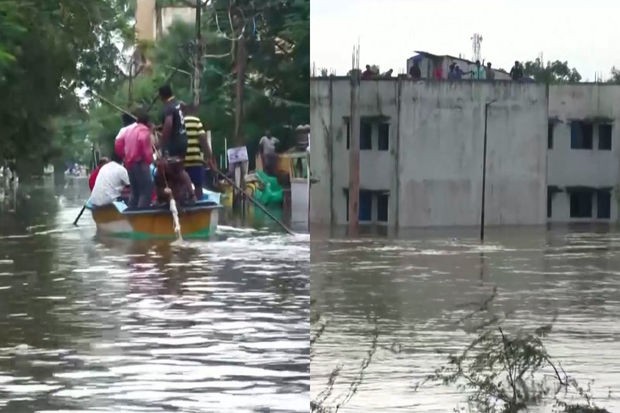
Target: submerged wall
point(433, 167)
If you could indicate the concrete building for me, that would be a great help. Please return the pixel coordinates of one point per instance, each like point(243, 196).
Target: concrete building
point(153, 21)
point(428, 61)
point(583, 152)
point(421, 152)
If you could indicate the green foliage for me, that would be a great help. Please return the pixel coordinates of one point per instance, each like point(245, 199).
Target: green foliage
point(277, 81)
point(615, 76)
point(49, 50)
point(552, 72)
point(504, 372)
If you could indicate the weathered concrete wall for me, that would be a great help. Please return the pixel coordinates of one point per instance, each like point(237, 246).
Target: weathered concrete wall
point(145, 20)
point(582, 167)
point(433, 168)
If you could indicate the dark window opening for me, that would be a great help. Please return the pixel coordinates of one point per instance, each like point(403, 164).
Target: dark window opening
point(604, 137)
point(382, 207)
point(550, 135)
point(365, 135)
point(580, 135)
point(348, 133)
point(364, 207)
point(384, 136)
point(581, 204)
point(549, 202)
point(603, 205)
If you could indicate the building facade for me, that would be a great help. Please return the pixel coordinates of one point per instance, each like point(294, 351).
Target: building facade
point(153, 21)
point(422, 152)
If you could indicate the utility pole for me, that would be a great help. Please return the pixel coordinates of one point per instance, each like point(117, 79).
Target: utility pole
point(198, 55)
point(354, 146)
point(484, 169)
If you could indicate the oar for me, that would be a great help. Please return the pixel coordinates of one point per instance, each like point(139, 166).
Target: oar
point(79, 216)
point(255, 202)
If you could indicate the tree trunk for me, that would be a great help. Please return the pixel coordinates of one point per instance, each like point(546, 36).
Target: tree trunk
point(198, 55)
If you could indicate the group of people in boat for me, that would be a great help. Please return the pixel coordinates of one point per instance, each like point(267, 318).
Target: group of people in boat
point(135, 174)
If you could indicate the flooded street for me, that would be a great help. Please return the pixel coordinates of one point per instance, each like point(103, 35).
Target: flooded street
point(94, 324)
point(396, 299)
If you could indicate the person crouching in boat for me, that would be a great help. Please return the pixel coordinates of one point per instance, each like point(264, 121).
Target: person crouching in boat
point(111, 180)
point(172, 179)
point(93, 175)
point(138, 155)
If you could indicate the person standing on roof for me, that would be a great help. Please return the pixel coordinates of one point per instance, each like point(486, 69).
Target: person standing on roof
point(174, 136)
point(479, 72)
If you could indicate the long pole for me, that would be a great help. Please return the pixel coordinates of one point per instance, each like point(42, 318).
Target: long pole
point(484, 172)
point(255, 202)
point(354, 148)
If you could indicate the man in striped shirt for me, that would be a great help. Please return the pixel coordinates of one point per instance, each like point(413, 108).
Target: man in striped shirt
point(198, 152)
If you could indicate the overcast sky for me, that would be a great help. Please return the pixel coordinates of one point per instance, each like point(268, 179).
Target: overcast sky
point(585, 34)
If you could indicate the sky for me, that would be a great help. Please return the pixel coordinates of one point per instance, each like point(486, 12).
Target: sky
point(585, 34)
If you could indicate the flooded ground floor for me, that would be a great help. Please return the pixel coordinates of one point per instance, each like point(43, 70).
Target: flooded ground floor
point(382, 309)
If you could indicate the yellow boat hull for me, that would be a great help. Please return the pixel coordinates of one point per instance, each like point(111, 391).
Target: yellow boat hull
point(197, 221)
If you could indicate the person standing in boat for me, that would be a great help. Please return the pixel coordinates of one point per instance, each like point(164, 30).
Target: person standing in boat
point(111, 180)
point(199, 152)
point(138, 156)
point(128, 123)
point(173, 141)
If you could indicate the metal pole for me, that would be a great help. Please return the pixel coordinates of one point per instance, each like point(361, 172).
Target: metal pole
point(484, 170)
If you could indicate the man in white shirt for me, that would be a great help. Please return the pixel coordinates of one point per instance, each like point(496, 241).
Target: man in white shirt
point(269, 157)
point(111, 180)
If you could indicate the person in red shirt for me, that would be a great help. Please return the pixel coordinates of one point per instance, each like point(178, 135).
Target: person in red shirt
point(138, 156)
point(93, 175)
point(438, 71)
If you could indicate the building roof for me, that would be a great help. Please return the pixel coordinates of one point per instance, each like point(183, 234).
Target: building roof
point(435, 56)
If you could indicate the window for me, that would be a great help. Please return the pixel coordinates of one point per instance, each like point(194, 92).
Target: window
point(604, 137)
point(550, 135)
point(384, 137)
point(365, 205)
point(365, 135)
point(382, 207)
point(603, 204)
point(348, 133)
point(581, 204)
point(549, 202)
point(581, 135)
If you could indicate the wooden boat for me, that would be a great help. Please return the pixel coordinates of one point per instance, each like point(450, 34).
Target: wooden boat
point(197, 221)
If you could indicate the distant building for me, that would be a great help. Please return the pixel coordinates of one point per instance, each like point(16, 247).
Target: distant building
point(153, 21)
point(428, 61)
point(553, 152)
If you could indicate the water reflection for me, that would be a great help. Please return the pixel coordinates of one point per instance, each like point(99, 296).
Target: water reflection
point(103, 324)
point(412, 286)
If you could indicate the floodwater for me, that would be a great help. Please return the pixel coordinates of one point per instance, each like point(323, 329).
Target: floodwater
point(94, 324)
point(397, 299)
